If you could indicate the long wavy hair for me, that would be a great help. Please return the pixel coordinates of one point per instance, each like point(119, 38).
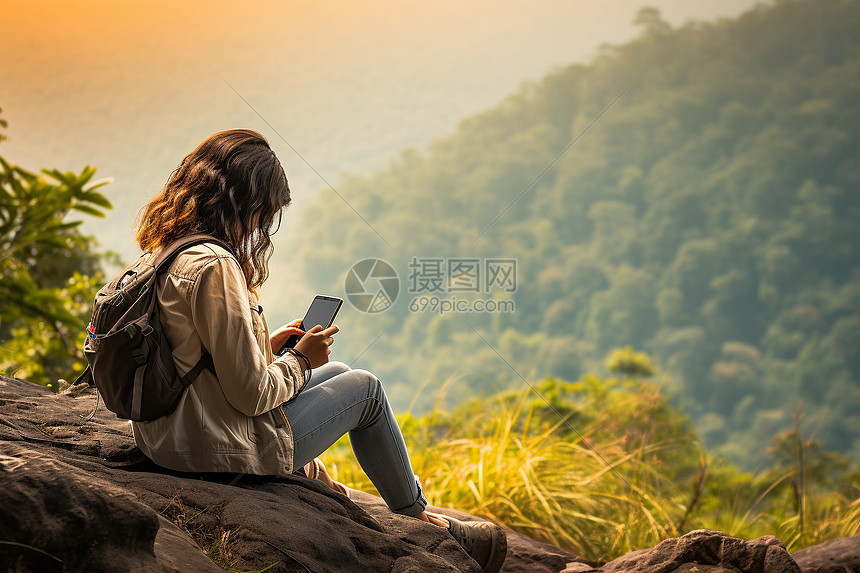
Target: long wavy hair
point(231, 187)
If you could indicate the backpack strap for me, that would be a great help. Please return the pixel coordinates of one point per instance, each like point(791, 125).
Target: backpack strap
point(85, 377)
point(161, 263)
point(171, 251)
point(204, 362)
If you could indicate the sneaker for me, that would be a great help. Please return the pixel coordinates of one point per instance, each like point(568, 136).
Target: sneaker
point(485, 542)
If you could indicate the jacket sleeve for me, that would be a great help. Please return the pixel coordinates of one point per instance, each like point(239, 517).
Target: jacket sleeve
point(222, 317)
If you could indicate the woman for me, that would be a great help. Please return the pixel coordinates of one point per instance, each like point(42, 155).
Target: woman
point(255, 413)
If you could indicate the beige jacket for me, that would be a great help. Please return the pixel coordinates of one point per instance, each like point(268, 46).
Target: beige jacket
point(231, 422)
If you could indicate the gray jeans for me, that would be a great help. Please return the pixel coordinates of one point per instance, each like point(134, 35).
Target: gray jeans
point(338, 400)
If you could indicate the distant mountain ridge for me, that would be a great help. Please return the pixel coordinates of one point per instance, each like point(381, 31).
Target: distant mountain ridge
point(709, 217)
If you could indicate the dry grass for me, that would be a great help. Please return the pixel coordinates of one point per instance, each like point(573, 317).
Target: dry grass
point(217, 543)
point(506, 459)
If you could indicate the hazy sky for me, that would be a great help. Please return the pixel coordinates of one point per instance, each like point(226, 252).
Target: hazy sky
point(131, 87)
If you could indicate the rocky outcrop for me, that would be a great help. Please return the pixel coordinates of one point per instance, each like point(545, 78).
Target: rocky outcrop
point(78, 495)
point(702, 550)
point(837, 556)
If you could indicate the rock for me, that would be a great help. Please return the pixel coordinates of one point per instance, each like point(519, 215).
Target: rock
point(836, 556)
point(706, 547)
point(87, 522)
point(79, 496)
point(176, 552)
point(705, 551)
point(524, 554)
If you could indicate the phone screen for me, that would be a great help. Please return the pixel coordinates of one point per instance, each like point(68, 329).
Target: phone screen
point(322, 311)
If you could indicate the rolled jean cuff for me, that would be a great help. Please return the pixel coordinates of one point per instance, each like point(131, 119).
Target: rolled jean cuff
point(417, 507)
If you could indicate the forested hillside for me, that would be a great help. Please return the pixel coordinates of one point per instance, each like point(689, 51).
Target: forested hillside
point(709, 217)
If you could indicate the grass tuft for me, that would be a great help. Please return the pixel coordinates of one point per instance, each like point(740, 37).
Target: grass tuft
point(630, 474)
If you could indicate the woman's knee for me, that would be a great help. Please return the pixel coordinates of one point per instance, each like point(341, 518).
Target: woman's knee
point(357, 383)
point(336, 367)
point(372, 395)
point(369, 381)
point(366, 383)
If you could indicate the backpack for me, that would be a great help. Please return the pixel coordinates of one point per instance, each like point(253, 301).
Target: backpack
point(130, 359)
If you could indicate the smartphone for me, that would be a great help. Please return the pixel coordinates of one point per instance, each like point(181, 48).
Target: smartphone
point(322, 311)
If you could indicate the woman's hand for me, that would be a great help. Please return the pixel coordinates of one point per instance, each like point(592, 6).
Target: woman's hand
point(315, 344)
point(280, 336)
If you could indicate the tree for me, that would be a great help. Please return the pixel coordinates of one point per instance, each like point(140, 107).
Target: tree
point(48, 271)
point(711, 207)
point(4, 124)
point(651, 21)
point(627, 362)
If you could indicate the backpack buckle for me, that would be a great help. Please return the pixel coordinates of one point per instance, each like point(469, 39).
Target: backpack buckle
point(138, 354)
point(133, 329)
